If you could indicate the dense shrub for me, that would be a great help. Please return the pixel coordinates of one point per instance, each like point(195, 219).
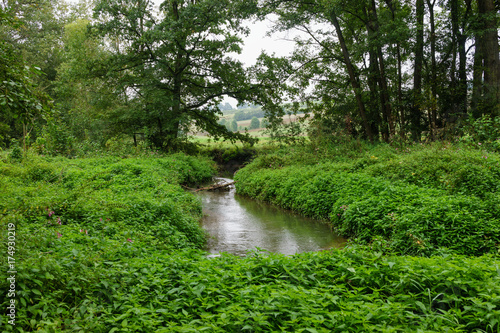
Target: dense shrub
point(255, 123)
point(76, 219)
point(144, 290)
point(484, 131)
point(424, 202)
point(110, 245)
point(132, 196)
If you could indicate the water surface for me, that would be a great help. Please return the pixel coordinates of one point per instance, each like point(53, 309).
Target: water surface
point(237, 224)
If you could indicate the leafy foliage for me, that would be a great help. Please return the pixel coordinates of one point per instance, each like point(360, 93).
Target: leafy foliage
point(332, 291)
point(110, 244)
point(21, 101)
point(254, 123)
point(483, 131)
point(176, 63)
point(426, 202)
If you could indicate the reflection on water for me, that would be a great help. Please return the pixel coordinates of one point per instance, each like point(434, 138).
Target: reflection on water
point(237, 224)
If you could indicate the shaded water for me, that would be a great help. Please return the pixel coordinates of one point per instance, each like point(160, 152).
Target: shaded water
point(236, 224)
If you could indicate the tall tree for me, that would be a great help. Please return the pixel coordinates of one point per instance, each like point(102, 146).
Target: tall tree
point(433, 72)
point(416, 113)
point(363, 43)
point(380, 67)
point(352, 76)
point(91, 108)
point(39, 39)
point(175, 65)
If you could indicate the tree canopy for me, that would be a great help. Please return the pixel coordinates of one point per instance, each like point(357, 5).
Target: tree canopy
point(175, 66)
point(22, 102)
point(382, 69)
point(375, 69)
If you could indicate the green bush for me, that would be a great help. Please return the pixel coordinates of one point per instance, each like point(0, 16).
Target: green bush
point(255, 123)
point(143, 196)
point(111, 245)
point(332, 291)
point(421, 203)
point(484, 132)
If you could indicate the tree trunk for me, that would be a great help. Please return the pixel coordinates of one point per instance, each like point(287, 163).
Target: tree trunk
point(433, 104)
point(489, 44)
point(399, 104)
point(477, 79)
point(384, 90)
point(374, 93)
point(352, 76)
point(416, 113)
point(462, 67)
point(453, 72)
point(462, 76)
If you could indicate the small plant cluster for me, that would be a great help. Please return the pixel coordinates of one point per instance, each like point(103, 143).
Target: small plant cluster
point(484, 131)
point(423, 202)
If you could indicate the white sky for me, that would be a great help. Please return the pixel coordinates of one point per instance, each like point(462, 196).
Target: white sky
point(257, 42)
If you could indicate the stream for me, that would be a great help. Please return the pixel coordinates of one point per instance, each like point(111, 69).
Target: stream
point(237, 224)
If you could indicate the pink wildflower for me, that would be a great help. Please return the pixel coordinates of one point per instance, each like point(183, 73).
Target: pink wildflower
point(58, 221)
point(59, 235)
point(129, 240)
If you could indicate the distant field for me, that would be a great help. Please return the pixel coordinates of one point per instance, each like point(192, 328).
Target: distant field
point(202, 137)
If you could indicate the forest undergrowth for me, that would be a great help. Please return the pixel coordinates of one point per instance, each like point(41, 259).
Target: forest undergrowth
point(419, 200)
point(114, 244)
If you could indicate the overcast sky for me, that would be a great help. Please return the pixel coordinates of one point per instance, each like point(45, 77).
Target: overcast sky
point(257, 42)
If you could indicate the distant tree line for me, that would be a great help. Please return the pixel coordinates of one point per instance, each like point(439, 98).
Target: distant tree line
point(249, 114)
point(225, 107)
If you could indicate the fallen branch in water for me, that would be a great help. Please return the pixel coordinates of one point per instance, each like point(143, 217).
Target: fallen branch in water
point(214, 187)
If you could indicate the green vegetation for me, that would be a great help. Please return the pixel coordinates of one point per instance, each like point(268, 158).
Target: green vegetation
point(234, 126)
point(248, 114)
point(112, 243)
point(255, 123)
point(361, 69)
point(418, 200)
point(78, 222)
